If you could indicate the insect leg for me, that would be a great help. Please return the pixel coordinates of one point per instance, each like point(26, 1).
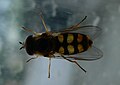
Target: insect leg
point(75, 63)
point(29, 30)
point(32, 58)
point(43, 22)
point(75, 26)
point(49, 67)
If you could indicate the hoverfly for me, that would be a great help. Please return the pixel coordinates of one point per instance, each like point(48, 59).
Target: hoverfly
point(72, 44)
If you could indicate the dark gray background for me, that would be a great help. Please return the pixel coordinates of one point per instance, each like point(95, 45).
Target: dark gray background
point(58, 14)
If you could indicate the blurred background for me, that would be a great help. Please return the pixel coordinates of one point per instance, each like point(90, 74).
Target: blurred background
point(58, 14)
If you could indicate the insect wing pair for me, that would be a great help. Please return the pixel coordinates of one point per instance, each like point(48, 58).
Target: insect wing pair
point(92, 53)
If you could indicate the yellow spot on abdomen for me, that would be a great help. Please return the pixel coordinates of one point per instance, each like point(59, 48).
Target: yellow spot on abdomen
point(70, 49)
point(80, 48)
point(61, 50)
point(70, 38)
point(60, 38)
point(80, 37)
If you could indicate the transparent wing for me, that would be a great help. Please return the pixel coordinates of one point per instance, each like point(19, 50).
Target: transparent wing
point(90, 30)
point(91, 54)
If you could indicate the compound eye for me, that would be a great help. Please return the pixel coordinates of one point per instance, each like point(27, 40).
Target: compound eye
point(29, 45)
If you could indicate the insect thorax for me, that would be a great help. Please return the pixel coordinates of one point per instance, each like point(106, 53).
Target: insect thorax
point(44, 44)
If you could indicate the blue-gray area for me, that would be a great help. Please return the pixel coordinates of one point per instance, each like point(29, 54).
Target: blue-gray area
point(58, 15)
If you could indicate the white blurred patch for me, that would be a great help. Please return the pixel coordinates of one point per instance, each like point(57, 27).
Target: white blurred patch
point(1, 44)
point(119, 8)
point(29, 5)
point(54, 8)
point(4, 5)
point(13, 34)
point(14, 64)
point(96, 21)
point(1, 66)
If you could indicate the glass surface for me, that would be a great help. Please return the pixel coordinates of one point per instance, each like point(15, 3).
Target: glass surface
point(58, 14)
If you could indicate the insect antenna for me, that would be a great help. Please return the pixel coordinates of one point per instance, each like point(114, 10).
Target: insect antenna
point(22, 43)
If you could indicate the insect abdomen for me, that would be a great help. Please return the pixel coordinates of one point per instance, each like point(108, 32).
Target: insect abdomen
point(72, 43)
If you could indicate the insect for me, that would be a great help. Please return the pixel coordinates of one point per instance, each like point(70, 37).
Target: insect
point(72, 44)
